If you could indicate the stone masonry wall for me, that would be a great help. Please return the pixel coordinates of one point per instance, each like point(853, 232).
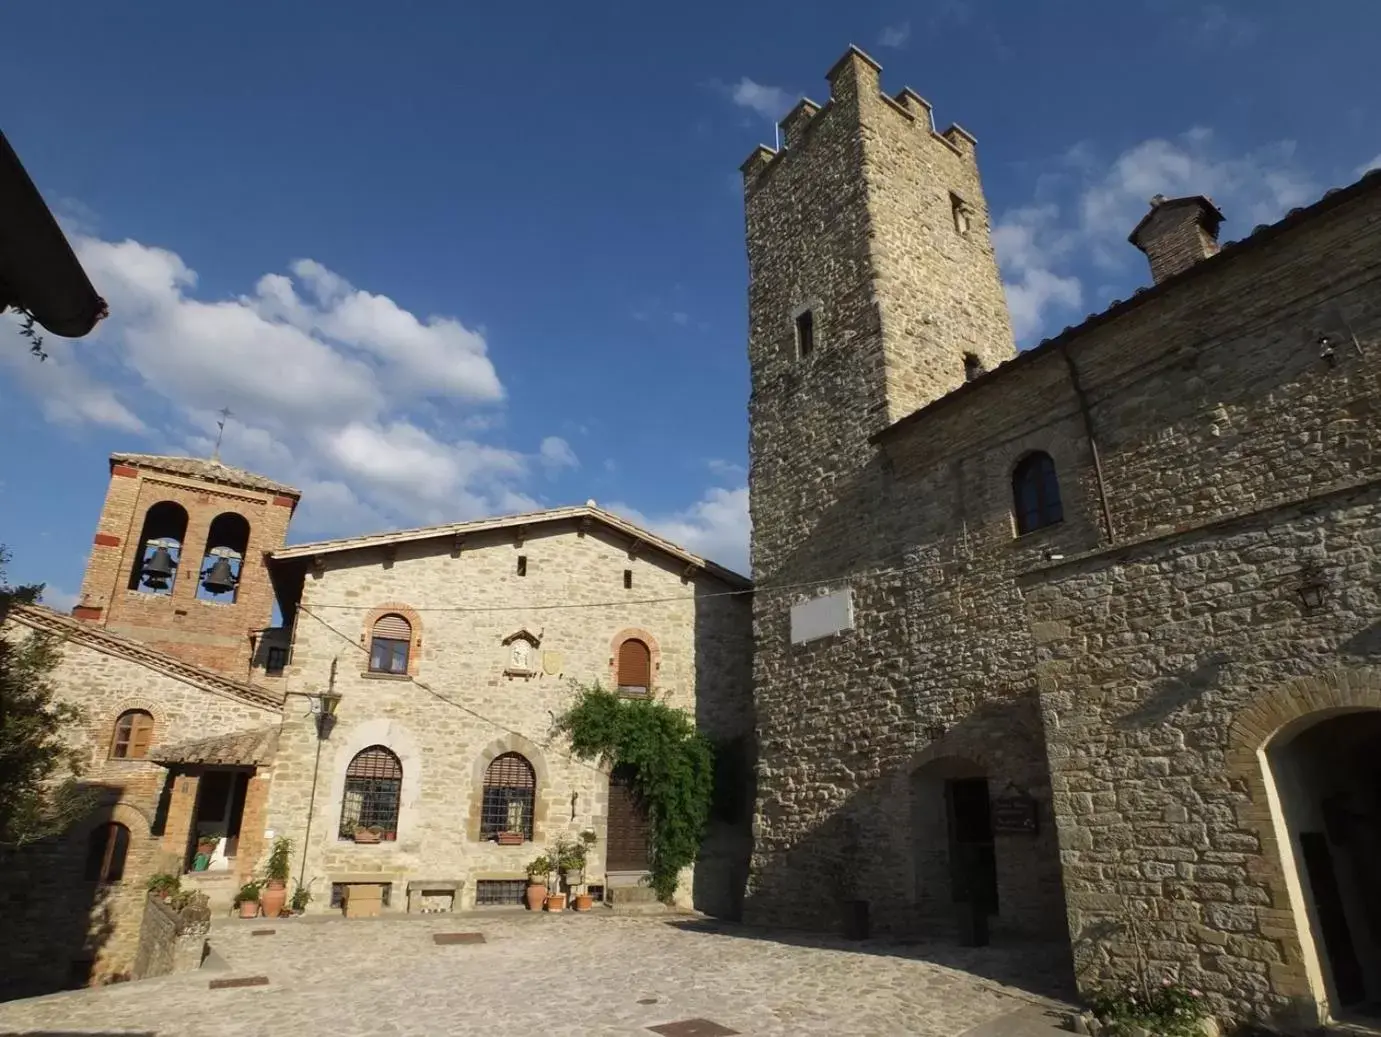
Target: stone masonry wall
point(858, 731)
point(170, 941)
point(57, 915)
point(458, 709)
point(214, 634)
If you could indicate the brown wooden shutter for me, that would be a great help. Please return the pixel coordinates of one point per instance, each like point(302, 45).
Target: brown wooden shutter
point(141, 734)
point(635, 665)
point(393, 627)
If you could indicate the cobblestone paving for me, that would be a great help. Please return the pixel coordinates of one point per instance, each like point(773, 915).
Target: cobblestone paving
point(557, 976)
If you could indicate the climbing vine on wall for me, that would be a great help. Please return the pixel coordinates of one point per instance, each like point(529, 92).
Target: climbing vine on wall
point(672, 770)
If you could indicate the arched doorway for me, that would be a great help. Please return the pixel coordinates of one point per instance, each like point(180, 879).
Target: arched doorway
point(953, 856)
point(1326, 772)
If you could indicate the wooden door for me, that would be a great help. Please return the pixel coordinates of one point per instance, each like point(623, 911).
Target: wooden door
point(626, 848)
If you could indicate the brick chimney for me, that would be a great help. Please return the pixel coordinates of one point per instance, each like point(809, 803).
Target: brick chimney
point(1177, 233)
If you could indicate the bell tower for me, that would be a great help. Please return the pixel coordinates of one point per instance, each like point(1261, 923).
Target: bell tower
point(178, 557)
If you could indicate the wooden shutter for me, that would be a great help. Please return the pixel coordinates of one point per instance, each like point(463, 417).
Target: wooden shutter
point(635, 665)
point(393, 627)
point(141, 734)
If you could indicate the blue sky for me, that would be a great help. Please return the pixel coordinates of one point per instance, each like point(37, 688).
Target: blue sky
point(449, 260)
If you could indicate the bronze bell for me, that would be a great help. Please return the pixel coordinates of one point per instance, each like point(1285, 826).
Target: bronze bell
point(159, 569)
point(219, 579)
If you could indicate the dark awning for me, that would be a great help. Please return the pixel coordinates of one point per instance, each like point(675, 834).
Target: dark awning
point(39, 271)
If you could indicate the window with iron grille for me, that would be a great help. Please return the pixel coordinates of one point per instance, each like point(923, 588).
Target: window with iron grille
point(106, 849)
point(510, 794)
point(373, 788)
point(1036, 493)
point(493, 892)
point(338, 892)
point(389, 644)
point(634, 671)
point(277, 661)
point(133, 733)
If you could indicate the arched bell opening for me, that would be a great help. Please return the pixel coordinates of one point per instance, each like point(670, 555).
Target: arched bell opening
point(223, 560)
point(160, 549)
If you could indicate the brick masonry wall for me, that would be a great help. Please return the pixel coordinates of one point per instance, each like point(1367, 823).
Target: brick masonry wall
point(170, 941)
point(460, 709)
point(62, 917)
point(209, 633)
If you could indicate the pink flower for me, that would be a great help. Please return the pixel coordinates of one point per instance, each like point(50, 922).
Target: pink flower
point(1165, 982)
point(1196, 993)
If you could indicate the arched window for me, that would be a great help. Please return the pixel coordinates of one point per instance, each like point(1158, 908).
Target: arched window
point(160, 549)
point(106, 849)
point(1036, 493)
point(373, 788)
point(389, 644)
point(510, 794)
point(634, 669)
point(227, 542)
point(133, 733)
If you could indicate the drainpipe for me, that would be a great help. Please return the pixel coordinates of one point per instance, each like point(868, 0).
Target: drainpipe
point(316, 772)
point(1079, 394)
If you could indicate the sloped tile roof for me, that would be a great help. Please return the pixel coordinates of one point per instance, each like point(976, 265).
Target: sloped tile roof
point(204, 468)
point(38, 617)
point(240, 748)
point(589, 512)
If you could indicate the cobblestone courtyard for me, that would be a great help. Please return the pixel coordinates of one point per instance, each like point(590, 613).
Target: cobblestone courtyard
point(563, 976)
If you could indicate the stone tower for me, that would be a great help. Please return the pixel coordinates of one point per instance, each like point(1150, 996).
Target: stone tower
point(873, 290)
point(198, 512)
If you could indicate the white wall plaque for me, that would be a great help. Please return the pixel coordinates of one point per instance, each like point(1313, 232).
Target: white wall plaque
point(822, 616)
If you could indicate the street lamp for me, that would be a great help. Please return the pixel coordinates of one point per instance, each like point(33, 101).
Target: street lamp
point(1313, 585)
point(324, 706)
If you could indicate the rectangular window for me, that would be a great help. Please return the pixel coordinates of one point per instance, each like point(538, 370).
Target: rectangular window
point(388, 656)
point(277, 661)
point(805, 333)
point(963, 215)
point(627, 579)
point(973, 367)
point(522, 565)
point(338, 892)
point(492, 892)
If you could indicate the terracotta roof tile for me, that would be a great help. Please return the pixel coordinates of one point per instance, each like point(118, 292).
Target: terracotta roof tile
point(204, 468)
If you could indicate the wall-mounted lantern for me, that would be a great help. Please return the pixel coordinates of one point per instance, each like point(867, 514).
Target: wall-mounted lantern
point(1313, 585)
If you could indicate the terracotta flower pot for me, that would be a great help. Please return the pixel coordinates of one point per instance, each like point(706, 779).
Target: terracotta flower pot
point(583, 901)
point(509, 838)
point(273, 897)
point(556, 902)
point(536, 895)
point(364, 835)
point(249, 909)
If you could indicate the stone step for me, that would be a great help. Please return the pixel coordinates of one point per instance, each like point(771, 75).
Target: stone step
point(621, 895)
point(655, 907)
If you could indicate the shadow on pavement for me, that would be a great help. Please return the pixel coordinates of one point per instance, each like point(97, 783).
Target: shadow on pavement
point(1043, 969)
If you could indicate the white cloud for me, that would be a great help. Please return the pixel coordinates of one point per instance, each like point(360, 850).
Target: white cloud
point(716, 526)
point(771, 102)
point(895, 36)
point(726, 469)
point(1078, 223)
point(331, 389)
point(555, 453)
point(1367, 167)
point(58, 599)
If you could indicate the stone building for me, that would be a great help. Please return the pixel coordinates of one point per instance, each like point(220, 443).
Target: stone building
point(1091, 642)
point(444, 654)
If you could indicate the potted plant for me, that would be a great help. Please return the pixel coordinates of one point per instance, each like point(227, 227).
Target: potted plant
point(556, 901)
point(163, 885)
point(275, 892)
point(302, 896)
point(372, 834)
point(537, 872)
point(247, 899)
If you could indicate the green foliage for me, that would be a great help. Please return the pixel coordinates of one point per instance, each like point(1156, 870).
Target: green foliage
point(670, 762)
point(278, 859)
point(249, 893)
point(539, 868)
point(39, 795)
point(1166, 1009)
point(302, 896)
point(163, 884)
point(189, 898)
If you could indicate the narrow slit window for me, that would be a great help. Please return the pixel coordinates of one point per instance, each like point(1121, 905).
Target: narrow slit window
point(973, 367)
point(627, 579)
point(963, 215)
point(522, 565)
point(805, 333)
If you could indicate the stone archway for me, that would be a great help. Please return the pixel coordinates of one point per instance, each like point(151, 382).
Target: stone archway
point(1278, 752)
